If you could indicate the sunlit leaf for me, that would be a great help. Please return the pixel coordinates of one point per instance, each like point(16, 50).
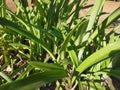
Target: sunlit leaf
point(109, 20)
point(94, 14)
point(3, 75)
point(99, 56)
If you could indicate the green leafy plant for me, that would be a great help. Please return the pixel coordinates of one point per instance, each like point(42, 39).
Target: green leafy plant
point(73, 55)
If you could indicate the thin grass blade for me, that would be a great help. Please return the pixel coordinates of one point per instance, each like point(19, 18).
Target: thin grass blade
point(3, 75)
point(109, 20)
point(94, 14)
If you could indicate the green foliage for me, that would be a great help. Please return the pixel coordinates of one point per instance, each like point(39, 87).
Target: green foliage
point(99, 56)
point(35, 81)
point(46, 66)
point(51, 44)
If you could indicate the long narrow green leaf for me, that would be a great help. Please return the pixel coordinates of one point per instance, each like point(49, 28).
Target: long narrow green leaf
point(35, 81)
point(19, 19)
point(72, 53)
point(18, 29)
point(56, 33)
point(109, 20)
point(73, 57)
point(94, 14)
point(81, 32)
point(19, 45)
point(3, 75)
point(46, 66)
point(98, 56)
point(67, 39)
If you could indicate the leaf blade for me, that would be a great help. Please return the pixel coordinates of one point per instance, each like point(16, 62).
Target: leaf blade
point(98, 56)
point(45, 66)
point(35, 81)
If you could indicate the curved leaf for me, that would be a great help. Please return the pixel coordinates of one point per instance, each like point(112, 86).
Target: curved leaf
point(35, 81)
point(98, 56)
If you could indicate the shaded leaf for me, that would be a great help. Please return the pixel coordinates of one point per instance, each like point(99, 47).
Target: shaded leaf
point(46, 66)
point(35, 81)
point(113, 72)
point(21, 31)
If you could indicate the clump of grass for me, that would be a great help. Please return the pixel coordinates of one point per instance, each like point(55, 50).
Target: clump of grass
point(41, 47)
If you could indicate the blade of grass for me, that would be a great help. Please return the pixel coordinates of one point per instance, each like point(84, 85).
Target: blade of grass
point(35, 81)
point(109, 20)
point(73, 57)
point(2, 11)
point(18, 29)
point(81, 32)
point(98, 56)
point(3, 75)
point(94, 14)
point(19, 19)
point(56, 33)
point(66, 43)
point(45, 66)
point(19, 45)
point(68, 37)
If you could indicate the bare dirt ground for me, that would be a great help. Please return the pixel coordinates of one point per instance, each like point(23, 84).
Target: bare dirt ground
point(109, 7)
